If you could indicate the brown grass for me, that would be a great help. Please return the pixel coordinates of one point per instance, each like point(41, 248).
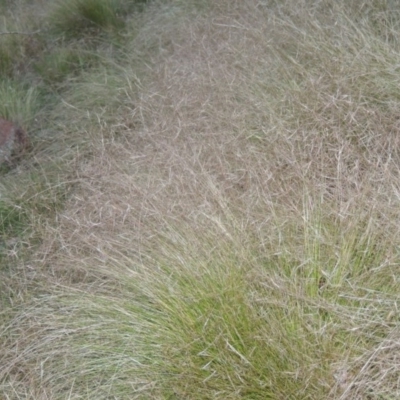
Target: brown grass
point(252, 158)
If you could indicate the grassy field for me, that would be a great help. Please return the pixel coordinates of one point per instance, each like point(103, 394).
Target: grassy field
point(209, 208)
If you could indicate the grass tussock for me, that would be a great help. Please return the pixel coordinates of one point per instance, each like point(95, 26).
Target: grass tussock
point(19, 102)
point(60, 65)
point(209, 213)
point(74, 18)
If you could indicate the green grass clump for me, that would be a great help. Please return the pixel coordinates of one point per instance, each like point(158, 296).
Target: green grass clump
point(17, 51)
point(211, 319)
point(7, 51)
point(62, 64)
point(73, 18)
point(19, 101)
point(13, 221)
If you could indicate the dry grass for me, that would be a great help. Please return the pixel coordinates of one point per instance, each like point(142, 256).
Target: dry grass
point(228, 225)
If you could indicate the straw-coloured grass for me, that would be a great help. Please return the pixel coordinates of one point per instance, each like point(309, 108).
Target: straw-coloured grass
point(226, 226)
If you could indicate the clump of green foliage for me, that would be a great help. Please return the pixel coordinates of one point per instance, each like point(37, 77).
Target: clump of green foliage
point(74, 18)
point(19, 101)
point(13, 220)
point(63, 63)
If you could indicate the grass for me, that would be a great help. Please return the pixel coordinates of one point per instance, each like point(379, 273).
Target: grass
point(62, 64)
point(209, 208)
point(73, 18)
point(11, 219)
point(19, 102)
